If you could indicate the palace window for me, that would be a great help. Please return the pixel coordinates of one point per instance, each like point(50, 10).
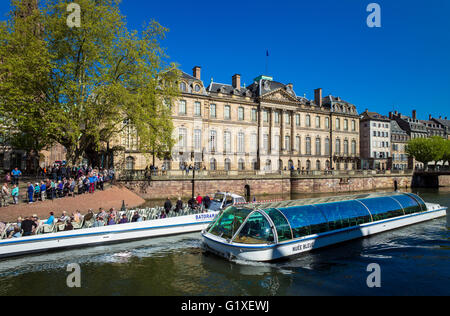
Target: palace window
point(182, 107)
point(308, 145)
point(183, 87)
point(287, 143)
point(130, 163)
point(353, 147)
point(345, 125)
point(227, 142)
point(353, 125)
point(297, 144)
point(287, 118)
point(213, 141)
point(297, 119)
point(254, 115)
point(338, 146)
point(338, 124)
point(308, 120)
point(241, 142)
point(227, 112)
point(240, 113)
point(327, 146)
point(317, 121)
point(182, 137)
point(346, 147)
point(276, 117)
point(212, 111)
point(197, 109)
point(318, 147)
point(198, 139)
point(327, 122)
point(241, 165)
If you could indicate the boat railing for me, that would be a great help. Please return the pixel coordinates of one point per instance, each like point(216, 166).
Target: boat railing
point(146, 214)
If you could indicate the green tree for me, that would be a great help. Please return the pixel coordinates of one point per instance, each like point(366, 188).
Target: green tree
point(91, 79)
point(426, 150)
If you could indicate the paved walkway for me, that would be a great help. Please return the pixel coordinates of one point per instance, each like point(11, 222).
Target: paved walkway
point(107, 199)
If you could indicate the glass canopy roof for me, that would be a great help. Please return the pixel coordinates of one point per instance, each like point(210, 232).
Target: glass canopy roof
point(300, 218)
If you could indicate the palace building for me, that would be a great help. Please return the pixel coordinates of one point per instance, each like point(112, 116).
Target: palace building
point(263, 126)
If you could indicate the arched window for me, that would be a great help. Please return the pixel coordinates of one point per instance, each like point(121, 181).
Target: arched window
point(240, 113)
point(291, 165)
point(346, 147)
point(254, 164)
point(327, 146)
point(241, 165)
point(353, 147)
point(318, 165)
point(317, 121)
point(227, 164)
point(318, 147)
point(308, 145)
point(338, 124)
point(327, 164)
point(338, 146)
point(183, 87)
point(227, 112)
point(129, 163)
point(308, 165)
point(308, 120)
point(280, 164)
point(212, 164)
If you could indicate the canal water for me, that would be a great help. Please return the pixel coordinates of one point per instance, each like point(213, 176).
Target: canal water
point(414, 260)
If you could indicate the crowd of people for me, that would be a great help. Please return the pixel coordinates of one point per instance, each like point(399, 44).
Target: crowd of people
point(63, 181)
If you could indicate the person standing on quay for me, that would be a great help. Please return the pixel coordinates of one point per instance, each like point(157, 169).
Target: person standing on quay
point(15, 194)
point(16, 173)
point(30, 192)
point(4, 194)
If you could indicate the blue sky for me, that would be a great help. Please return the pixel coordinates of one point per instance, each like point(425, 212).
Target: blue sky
point(405, 64)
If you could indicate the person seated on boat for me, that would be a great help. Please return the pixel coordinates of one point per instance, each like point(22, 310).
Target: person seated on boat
point(167, 206)
point(2, 227)
point(124, 219)
point(136, 217)
point(68, 226)
point(206, 201)
point(99, 222)
point(163, 214)
point(77, 217)
point(111, 220)
point(192, 203)
point(102, 213)
point(199, 199)
point(28, 226)
point(113, 212)
point(63, 217)
point(179, 205)
point(16, 233)
point(51, 219)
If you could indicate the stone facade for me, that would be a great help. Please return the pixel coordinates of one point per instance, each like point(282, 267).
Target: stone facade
point(264, 126)
point(275, 185)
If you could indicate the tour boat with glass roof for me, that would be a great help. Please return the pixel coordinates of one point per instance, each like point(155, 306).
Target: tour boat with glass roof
point(266, 232)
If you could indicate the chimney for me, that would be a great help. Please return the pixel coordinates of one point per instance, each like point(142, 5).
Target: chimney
point(236, 79)
point(414, 115)
point(318, 96)
point(196, 72)
point(391, 115)
point(430, 117)
point(440, 117)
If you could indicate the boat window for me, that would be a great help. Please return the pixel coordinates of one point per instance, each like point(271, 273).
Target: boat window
point(281, 224)
point(410, 205)
point(383, 207)
point(228, 222)
point(305, 220)
point(344, 214)
point(256, 230)
point(218, 197)
point(229, 200)
point(419, 200)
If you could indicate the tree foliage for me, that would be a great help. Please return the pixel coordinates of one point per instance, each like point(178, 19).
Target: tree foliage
point(426, 150)
point(76, 86)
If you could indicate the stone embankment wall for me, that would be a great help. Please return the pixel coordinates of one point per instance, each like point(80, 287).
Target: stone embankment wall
point(279, 185)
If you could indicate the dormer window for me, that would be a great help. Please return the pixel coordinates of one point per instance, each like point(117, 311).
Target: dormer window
point(183, 87)
point(197, 88)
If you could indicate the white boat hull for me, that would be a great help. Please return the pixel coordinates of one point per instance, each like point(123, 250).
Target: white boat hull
point(106, 234)
point(294, 247)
